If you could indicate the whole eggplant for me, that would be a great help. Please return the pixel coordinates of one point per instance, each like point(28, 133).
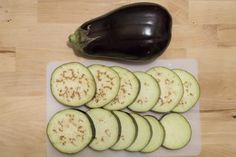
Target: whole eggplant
point(135, 32)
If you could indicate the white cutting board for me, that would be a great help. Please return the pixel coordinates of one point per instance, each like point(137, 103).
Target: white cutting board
point(192, 149)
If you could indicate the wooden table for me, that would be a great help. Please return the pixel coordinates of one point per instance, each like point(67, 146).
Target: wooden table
point(32, 33)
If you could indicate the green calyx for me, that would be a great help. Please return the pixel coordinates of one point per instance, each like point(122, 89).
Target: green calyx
point(80, 39)
point(73, 39)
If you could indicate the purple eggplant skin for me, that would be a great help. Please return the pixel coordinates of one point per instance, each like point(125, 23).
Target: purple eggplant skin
point(135, 32)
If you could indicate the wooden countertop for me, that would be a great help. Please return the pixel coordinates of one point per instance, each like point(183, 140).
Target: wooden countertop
point(32, 33)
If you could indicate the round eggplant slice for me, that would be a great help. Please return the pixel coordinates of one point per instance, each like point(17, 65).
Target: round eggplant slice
point(178, 131)
point(70, 131)
point(144, 134)
point(107, 85)
point(191, 91)
point(148, 95)
point(107, 128)
point(158, 135)
point(72, 84)
point(128, 131)
point(171, 88)
point(129, 89)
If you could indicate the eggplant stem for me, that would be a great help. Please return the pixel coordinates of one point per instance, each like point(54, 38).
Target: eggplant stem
point(73, 39)
point(79, 39)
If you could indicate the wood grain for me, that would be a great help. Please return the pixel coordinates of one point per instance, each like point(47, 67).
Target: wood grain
point(8, 59)
point(189, 36)
point(226, 35)
point(35, 32)
point(212, 12)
